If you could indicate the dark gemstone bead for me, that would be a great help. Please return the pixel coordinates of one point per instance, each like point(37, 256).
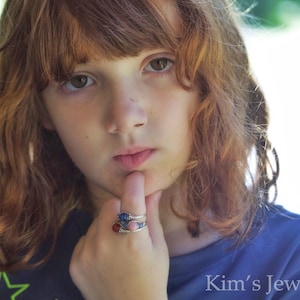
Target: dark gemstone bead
point(116, 227)
point(124, 217)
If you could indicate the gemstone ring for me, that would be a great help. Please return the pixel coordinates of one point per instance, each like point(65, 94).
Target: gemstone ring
point(132, 226)
point(127, 217)
point(127, 222)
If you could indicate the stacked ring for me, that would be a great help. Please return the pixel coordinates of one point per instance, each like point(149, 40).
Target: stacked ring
point(127, 222)
point(120, 228)
point(126, 217)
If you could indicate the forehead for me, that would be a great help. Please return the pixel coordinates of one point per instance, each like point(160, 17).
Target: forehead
point(84, 30)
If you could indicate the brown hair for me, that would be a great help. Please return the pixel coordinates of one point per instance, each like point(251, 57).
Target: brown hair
point(43, 40)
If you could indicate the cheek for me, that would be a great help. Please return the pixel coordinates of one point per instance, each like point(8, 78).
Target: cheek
point(77, 143)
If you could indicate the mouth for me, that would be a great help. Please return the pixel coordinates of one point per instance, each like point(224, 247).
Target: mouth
point(131, 159)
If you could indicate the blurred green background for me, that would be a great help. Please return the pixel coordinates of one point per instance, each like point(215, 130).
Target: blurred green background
point(270, 13)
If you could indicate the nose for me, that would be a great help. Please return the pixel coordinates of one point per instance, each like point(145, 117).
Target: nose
point(127, 111)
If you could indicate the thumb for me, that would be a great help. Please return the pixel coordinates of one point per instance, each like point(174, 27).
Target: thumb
point(153, 220)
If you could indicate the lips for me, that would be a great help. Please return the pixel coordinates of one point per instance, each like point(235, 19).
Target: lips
point(133, 158)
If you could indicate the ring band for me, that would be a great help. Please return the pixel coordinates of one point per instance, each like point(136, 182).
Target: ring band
point(127, 222)
point(133, 226)
point(127, 217)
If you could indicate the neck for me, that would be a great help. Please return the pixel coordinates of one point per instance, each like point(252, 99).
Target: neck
point(176, 234)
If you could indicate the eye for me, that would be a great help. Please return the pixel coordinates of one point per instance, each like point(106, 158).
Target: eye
point(78, 82)
point(160, 64)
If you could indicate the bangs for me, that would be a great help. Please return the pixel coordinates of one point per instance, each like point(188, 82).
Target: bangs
point(73, 32)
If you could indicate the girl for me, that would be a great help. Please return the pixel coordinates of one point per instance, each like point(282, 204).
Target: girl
point(127, 129)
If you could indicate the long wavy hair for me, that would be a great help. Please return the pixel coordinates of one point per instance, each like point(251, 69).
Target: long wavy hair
point(43, 40)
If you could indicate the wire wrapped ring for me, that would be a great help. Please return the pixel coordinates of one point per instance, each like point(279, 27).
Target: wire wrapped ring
point(127, 222)
point(132, 226)
point(127, 217)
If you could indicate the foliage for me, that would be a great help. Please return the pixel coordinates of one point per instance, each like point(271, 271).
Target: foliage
point(270, 12)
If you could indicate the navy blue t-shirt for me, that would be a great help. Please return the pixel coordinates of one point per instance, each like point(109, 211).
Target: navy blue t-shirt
point(264, 267)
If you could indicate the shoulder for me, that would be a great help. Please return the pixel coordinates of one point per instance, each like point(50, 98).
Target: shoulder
point(52, 279)
point(272, 257)
point(281, 224)
point(279, 230)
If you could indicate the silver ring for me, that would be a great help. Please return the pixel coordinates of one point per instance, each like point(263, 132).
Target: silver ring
point(132, 226)
point(127, 217)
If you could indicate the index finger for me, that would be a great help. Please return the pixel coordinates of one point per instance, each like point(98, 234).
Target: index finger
point(133, 197)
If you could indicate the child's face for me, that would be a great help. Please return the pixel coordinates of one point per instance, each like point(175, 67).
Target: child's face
point(118, 116)
point(128, 114)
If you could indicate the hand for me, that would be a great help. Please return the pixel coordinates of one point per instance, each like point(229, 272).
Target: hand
point(112, 266)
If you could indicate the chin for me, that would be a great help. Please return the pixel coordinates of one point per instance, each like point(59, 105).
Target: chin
point(156, 183)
